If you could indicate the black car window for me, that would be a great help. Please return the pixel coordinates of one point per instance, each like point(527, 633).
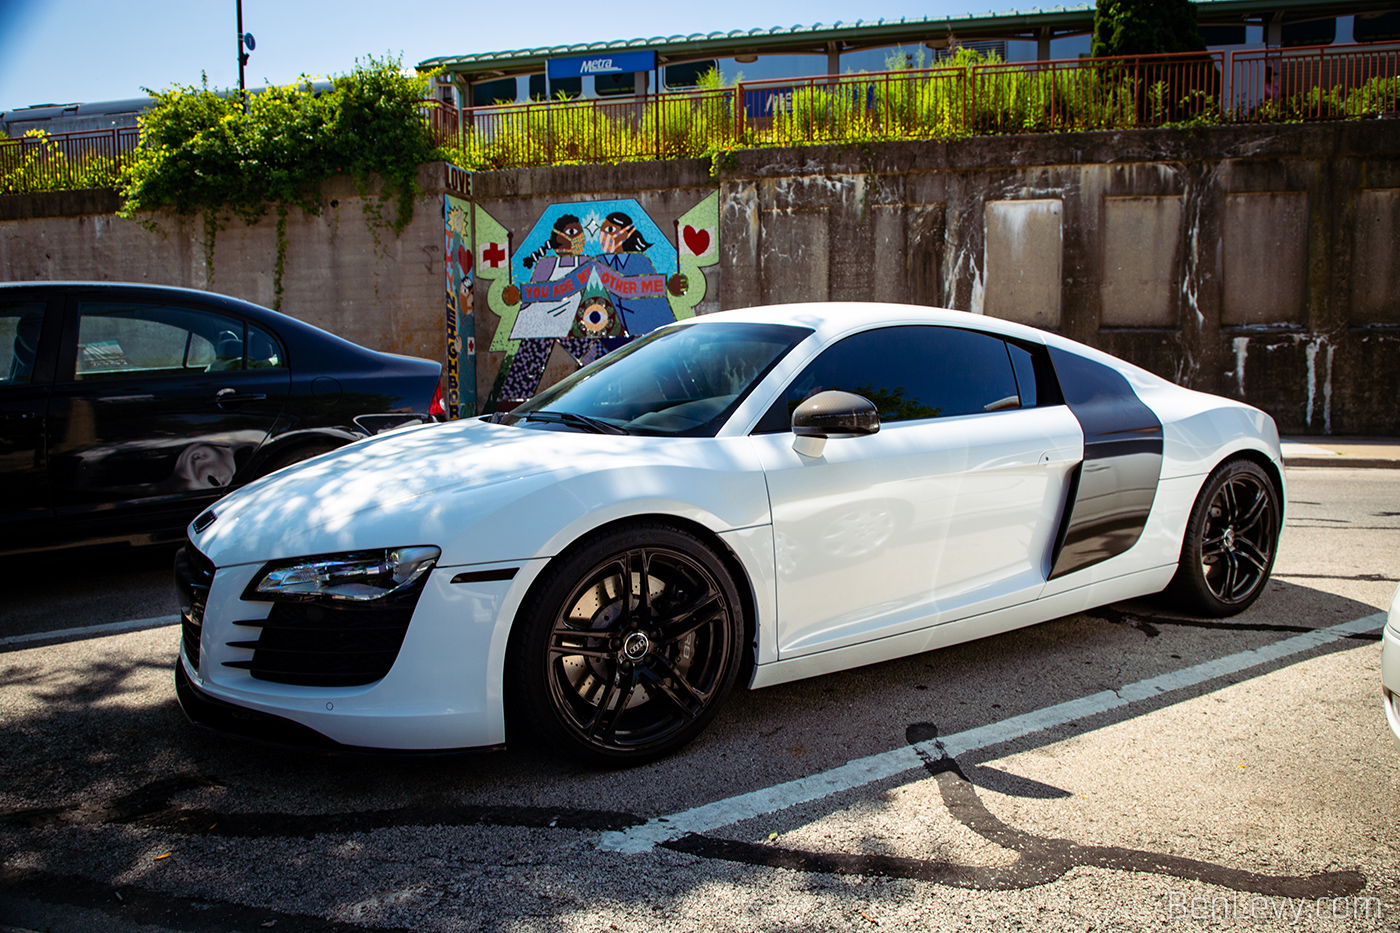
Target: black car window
point(20, 324)
point(1024, 365)
point(264, 352)
point(122, 338)
point(910, 373)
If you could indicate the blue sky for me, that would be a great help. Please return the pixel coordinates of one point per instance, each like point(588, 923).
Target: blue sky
point(88, 50)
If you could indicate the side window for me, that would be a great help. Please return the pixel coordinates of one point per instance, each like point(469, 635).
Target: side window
point(122, 338)
point(501, 91)
point(910, 373)
point(20, 325)
point(1024, 365)
point(264, 352)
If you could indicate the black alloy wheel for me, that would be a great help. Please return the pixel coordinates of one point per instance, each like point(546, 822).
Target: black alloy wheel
point(1231, 541)
point(627, 646)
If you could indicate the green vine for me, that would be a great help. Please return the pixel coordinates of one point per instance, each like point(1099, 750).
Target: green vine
point(202, 152)
point(722, 160)
point(280, 266)
point(211, 233)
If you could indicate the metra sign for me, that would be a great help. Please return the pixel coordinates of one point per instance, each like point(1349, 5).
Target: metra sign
point(614, 63)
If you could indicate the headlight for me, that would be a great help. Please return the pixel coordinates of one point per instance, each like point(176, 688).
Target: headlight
point(356, 576)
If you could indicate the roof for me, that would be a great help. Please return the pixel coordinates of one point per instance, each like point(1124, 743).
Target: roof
point(815, 38)
point(842, 36)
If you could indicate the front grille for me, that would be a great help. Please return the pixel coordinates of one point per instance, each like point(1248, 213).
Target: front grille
point(193, 575)
point(329, 644)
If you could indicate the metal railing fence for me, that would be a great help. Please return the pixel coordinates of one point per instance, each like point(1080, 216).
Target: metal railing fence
point(49, 162)
point(948, 100)
point(1315, 83)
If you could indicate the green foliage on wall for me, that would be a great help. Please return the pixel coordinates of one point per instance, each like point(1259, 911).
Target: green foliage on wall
point(1145, 27)
point(202, 152)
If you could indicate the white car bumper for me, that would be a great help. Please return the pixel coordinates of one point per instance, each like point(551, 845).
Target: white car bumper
point(1390, 668)
point(443, 691)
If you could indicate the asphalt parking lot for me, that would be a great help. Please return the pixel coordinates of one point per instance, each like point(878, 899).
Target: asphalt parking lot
point(1128, 768)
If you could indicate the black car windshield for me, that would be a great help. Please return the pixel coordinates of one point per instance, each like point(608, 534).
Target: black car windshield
point(681, 381)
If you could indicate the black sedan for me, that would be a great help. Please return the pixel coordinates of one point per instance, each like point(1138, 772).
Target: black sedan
point(127, 409)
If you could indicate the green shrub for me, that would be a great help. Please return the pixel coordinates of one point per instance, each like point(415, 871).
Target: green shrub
point(203, 151)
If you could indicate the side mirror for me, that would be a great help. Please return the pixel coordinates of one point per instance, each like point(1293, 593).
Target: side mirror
point(834, 413)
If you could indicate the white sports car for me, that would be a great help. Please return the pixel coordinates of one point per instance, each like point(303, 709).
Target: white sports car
point(755, 496)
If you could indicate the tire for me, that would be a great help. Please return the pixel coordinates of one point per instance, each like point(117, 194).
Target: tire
point(1231, 540)
point(621, 681)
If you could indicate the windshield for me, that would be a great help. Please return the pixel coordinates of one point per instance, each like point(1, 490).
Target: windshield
point(681, 381)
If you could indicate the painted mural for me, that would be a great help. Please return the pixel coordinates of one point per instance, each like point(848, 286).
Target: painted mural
point(460, 319)
point(586, 278)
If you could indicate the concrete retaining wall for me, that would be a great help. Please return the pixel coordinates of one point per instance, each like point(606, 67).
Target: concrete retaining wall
point(376, 289)
point(1255, 262)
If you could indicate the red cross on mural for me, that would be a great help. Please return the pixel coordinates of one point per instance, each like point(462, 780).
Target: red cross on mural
point(493, 255)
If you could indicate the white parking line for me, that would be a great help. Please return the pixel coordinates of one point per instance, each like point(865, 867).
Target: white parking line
point(906, 758)
point(89, 631)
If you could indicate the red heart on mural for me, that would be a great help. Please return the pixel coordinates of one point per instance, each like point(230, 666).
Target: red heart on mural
point(464, 259)
point(697, 241)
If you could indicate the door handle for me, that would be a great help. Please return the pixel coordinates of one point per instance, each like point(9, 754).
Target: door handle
point(225, 396)
point(1062, 455)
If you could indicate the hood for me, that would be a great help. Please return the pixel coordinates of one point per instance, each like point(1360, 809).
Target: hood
point(447, 484)
point(322, 497)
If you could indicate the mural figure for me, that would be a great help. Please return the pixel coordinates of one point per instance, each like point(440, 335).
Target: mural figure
point(587, 278)
point(460, 319)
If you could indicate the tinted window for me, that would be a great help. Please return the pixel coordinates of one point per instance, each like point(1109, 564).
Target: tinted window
point(1024, 365)
point(688, 74)
point(568, 87)
point(607, 84)
point(909, 373)
point(501, 91)
point(120, 338)
point(1376, 27)
point(1310, 32)
point(264, 352)
point(20, 324)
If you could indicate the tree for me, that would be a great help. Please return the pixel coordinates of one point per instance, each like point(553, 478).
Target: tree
point(1145, 27)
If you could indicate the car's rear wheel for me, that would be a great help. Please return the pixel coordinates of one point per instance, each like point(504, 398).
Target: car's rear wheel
point(1231, 541)
point(627, 646)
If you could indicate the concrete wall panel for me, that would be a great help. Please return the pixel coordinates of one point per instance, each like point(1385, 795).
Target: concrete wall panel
point(925, 244)
point(1375, 293)
point(1024, 256)
point(1265, 253)
point(795, 255)
point(887, 278)
point(1141, 242)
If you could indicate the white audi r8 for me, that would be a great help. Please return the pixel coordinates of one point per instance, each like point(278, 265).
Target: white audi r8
point(752, 496)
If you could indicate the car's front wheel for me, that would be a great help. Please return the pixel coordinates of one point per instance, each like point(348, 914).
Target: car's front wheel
point(627, 646)
point(1231, 540)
